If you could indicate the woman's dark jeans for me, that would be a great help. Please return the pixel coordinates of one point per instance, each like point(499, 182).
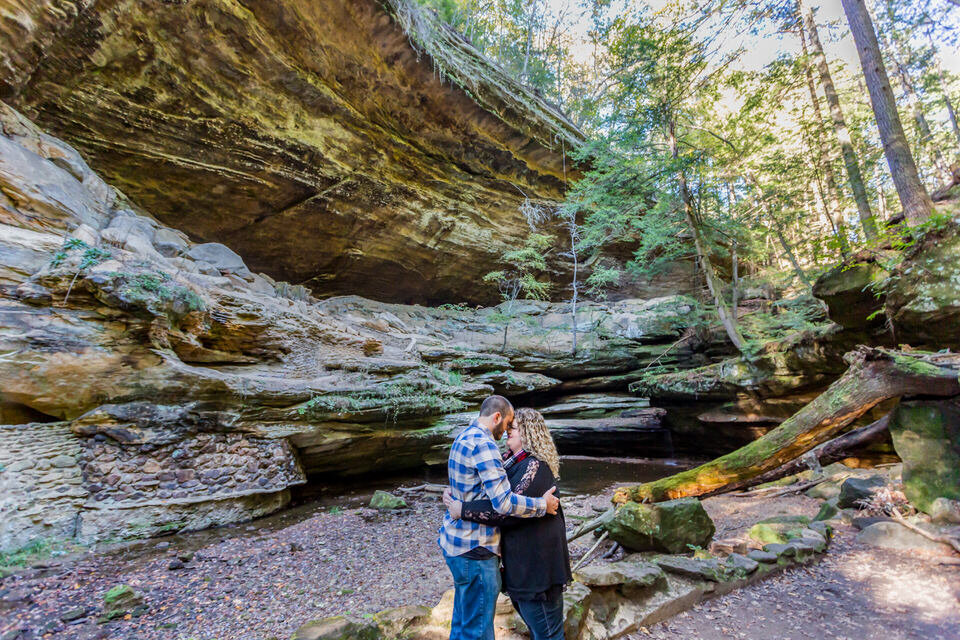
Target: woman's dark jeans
point(544, 618)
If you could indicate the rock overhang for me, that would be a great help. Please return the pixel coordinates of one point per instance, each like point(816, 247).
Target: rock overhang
point(355, 147)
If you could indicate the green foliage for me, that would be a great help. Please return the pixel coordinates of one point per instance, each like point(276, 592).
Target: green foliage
point(39, 549)
point(523, 272)
point(156, 292)
point(94, 256)
point(408, 395)
point(457, 307)
point(58, 258)
point(90, 257)
point(784, 318)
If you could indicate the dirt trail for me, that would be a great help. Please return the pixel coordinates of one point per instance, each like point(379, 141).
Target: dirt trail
point(855, 592)
point(264, 584)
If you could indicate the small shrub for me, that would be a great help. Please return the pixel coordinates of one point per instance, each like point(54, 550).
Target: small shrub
point(156, 292)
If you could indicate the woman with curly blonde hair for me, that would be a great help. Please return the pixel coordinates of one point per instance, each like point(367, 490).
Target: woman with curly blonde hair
point(536, 562)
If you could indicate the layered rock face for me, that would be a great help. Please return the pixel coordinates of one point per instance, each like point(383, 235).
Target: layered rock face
point(150, 383)
point(902, 298)
point(317, 138)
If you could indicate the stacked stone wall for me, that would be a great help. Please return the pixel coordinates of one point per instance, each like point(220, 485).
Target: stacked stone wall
point(41, 485)
point(208, 466)
point(55, 485)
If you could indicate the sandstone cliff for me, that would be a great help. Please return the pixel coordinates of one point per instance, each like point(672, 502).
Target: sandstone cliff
point(151, 383)
point(320, 139)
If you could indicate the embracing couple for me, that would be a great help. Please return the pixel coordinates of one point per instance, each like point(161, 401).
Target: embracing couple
point(503, 509)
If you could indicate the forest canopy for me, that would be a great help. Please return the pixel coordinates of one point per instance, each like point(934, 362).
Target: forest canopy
point(766, 140)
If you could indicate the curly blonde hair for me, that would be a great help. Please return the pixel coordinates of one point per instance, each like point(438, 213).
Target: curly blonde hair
point(536, 438)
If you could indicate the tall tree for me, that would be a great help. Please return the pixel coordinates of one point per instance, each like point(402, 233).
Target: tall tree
point(945, 90)
point(825, 158)
point(914, 198)
point(850, 160)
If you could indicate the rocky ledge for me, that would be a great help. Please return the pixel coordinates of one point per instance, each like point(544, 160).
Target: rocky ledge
point(154, 384)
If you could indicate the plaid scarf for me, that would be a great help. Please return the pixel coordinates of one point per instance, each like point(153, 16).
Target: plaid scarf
point(510, 460)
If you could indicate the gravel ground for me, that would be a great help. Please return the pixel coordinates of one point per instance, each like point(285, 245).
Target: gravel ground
point(249, 587)
point(260, 582)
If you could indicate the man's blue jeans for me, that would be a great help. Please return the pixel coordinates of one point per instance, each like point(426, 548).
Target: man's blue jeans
point(476, 587)
point(544, 618)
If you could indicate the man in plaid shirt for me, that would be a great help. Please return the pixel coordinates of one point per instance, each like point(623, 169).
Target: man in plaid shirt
point(471, 550)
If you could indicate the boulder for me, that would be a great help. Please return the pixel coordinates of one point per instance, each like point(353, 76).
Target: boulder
point(399, 622)
point(822, 528)
point(127, 223)
point(891, 535)
point(945, 511)
point(627, 576)
point(220, 256)
point(207, 269)
point(778, 529)
point(781, 550)
point(699, 568)
point(119, 601)
point(926, 436)
point(672, 526)
point(169, 243)
point(828, 510)
point(386, 501)
point(824, 491)
point(923, 299)
point(741, 565)
point(766, 557)
point(338, 628)
point(853, 490)
point(575, 606)
point(845, 290)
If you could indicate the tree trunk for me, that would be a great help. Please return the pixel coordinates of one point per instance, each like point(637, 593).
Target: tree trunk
point(735, 284)
point(716, 291)
point(576, 289)
point(850, 160)
point(882, 197)
point(834, 212)
point(914, 198)
point(874, 375)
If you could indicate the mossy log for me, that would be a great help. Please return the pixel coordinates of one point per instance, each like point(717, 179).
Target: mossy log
point(873, 375)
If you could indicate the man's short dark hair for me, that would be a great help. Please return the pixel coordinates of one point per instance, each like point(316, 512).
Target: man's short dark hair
point(495, 404)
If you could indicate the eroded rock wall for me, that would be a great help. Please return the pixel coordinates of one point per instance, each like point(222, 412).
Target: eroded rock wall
point(151, 384)
point(318, 138)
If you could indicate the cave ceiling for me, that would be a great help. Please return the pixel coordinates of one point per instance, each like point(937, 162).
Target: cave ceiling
point(319, 139)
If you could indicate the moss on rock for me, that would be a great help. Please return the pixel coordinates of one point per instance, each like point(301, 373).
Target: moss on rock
point(926, 436)
point(672, 526)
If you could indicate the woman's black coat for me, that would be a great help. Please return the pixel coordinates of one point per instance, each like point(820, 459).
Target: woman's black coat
point(534, 550)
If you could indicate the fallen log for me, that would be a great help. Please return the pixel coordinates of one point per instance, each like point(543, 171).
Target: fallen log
point(591, 525)
point(776, 492)
point(873, 375)
point(831, 451)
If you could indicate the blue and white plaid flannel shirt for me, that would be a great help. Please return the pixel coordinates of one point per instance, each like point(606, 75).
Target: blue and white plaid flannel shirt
point(475, 471)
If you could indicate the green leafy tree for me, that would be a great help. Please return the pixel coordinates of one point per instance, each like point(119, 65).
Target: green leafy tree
point(522, 275)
